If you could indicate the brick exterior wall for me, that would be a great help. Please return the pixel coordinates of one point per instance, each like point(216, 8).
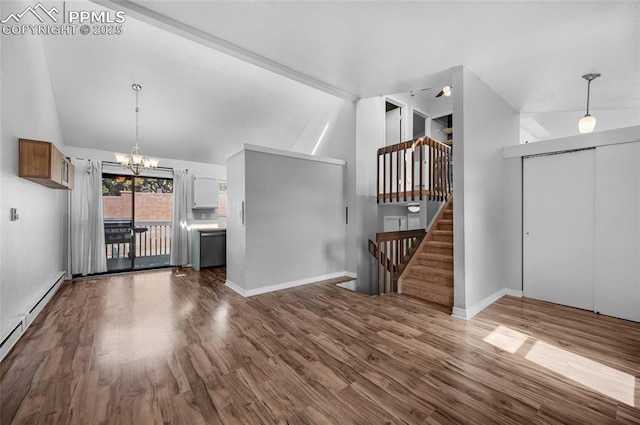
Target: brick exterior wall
point(149, 206)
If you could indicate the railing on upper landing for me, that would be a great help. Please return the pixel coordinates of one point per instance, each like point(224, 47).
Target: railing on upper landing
point(413, 170)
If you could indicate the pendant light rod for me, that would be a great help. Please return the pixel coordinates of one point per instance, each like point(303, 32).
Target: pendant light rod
point(136, 162)
point(589, 78)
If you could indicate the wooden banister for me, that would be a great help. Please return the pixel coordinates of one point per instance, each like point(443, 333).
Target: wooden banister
point(393, 250)
point(398, 180)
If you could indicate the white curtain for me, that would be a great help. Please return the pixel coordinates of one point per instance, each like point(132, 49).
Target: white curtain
point(88, 253)
point(179, 233)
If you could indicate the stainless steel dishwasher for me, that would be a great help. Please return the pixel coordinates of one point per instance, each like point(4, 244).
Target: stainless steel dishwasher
point(209, 248)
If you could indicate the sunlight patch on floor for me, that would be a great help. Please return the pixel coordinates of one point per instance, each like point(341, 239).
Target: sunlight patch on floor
point(506, 339)
point(604, 379)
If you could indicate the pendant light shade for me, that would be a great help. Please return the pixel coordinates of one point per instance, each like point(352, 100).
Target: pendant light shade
point(588, 122)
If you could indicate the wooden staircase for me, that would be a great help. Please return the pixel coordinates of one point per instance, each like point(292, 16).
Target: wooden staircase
point(429, 273)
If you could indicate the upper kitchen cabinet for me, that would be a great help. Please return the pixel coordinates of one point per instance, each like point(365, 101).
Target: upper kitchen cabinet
point(43, 163)
point(205, 193)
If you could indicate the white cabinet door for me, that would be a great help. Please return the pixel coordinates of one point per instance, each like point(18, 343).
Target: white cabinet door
point(205, 192)
point(558, 228)
point(394, 223)
point(617, 265)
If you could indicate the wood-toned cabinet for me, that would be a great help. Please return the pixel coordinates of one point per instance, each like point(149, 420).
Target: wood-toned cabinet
point(43, 163)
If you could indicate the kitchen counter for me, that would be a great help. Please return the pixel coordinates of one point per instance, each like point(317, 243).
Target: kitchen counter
point(210, 226)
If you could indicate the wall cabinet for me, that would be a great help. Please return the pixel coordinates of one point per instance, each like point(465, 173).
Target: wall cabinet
point(43, 163)
point(205, 192)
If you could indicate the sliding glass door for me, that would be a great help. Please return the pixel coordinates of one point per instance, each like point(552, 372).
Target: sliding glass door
point(137, 221)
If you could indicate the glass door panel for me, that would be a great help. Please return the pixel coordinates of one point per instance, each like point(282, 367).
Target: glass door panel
point(117, 204)
point(153, 210)
point(137, 221)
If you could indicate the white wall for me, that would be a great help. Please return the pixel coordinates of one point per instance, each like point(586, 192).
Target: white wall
point(236, 236)
point(512, 223)
point(488, 124)
point(32, 249)
point(338, 142)
point(295, 229)
point(370, 120)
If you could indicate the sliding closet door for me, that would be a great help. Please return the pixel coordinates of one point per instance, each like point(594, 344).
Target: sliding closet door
point(617, 265)
point(558, 228)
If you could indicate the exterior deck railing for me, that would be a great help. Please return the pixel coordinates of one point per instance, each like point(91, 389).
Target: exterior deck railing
point(152, 238)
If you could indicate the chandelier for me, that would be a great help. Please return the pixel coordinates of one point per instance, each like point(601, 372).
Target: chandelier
point(136, 161)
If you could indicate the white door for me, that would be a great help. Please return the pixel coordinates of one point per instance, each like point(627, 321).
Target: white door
point(393, 127)
point(394, 223)
point(617, 264)
point(558, 227)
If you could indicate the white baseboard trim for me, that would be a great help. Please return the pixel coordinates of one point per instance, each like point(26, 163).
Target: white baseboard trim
point(514, 292)
point(235, 288)
point(285, 285)
point(468, 313)
point(27, 317)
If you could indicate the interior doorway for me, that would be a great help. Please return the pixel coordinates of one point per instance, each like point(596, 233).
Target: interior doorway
point(419, 124)
point(137, 221)
point(393, 123)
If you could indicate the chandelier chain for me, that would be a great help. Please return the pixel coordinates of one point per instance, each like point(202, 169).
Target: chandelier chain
point(137, 115)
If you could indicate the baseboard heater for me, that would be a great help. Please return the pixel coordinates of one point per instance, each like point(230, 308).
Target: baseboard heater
point(25, 319)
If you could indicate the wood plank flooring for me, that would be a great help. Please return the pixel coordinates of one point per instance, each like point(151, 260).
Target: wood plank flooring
point(178, 347)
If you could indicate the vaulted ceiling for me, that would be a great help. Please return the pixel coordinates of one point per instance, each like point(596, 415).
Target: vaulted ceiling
point(217, 74)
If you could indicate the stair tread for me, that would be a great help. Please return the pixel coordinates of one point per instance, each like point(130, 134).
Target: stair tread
point(442, 232)
point(428, 281)
point(434, 270)
point(434, 256)
point(410, 281)
point(440, 244)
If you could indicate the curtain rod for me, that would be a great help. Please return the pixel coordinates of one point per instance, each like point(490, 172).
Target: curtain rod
point(115, 163)
point(157, 168)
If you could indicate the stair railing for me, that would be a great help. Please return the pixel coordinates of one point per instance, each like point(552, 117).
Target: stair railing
point(412, 170)
point(392, 251)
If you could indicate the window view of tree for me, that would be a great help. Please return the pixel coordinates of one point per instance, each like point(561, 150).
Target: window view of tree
point(112, 186)
point(222, 198)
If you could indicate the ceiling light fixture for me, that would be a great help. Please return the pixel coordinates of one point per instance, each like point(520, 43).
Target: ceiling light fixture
point(446, 91)
point(413, 207)
point(588, 122)
point(136, 161)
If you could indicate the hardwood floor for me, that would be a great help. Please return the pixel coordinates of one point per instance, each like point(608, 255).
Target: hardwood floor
point(178, 347)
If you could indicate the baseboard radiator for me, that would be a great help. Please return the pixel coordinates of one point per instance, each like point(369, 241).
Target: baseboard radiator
point(23, 320)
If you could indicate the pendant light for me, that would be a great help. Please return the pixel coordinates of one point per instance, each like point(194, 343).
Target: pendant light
point(136, 161)
point(588, 122)
point(446, 91)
